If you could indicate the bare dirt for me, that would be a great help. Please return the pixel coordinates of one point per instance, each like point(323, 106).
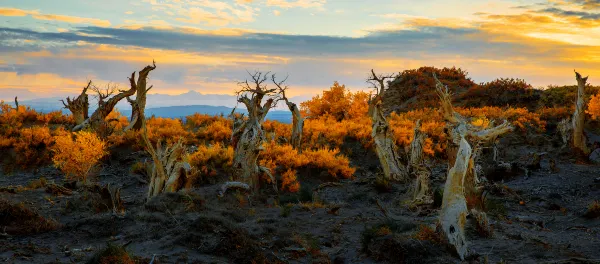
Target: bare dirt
point(537, 216)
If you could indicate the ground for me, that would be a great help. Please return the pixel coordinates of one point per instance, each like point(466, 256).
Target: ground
point(536, 216)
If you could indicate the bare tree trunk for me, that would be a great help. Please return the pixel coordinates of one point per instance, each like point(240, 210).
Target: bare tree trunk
point(248, 136)
point(579, 140)
point(16, 103)
point(138, 106)
point(297, 126)
point(297, 119)
point(422, 192)
point(385, 145)
point(104, 108)
point(247, 149)
point(169, 171)
point(454, 206)
point(79, 106)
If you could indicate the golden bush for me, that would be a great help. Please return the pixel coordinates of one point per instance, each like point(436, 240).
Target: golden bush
point(31, 146)
point(77, 157)
point(289, 182)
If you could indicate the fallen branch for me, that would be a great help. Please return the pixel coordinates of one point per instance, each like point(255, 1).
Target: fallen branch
point(232, 185)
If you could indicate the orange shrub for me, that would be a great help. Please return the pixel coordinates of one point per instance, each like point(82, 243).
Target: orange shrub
point(198, 120)
point(337, 165)
point(337, 103)
point(31, 146)
point(117, 121)
point(289, 182)
point(328, 132)
point(277, 129)
point(207, 159)
point(207, 127)
point(594, 106)
point(283, 157)
point(6, 142)
point(554, 114)
point(433, 124)
point(76, 158)
point(218, 131)
point(521, 118)
point(166, 129)
point(213, 156)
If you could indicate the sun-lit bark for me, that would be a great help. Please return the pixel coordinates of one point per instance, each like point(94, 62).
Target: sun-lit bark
point(416, 167)
point(98, 118)
point(385, 145)
point(248, 135)
point(169, 170)
point(461, 174)
point(297, 119)
point(578, 120)
point(79, 106)
point(138, 105)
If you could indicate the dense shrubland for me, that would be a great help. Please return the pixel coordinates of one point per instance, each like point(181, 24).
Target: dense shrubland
point(336, 116)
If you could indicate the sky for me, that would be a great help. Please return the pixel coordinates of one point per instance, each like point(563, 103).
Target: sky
point(51, 48)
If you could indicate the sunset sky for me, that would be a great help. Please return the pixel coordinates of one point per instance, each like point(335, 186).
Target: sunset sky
point(51, 47)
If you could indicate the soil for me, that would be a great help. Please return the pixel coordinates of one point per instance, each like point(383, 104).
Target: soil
point(537, 216)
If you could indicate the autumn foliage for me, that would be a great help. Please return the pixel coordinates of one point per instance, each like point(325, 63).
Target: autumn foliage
point(76, 157)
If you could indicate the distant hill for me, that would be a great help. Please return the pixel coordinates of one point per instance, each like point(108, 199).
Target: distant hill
point(186, 110)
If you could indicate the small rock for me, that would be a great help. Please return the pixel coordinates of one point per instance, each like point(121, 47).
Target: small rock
point(595, 156)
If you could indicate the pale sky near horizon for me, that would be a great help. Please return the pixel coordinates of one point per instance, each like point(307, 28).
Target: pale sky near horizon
point(50, 48)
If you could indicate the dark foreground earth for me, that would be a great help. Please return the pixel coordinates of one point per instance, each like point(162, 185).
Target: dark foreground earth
point(537, 216)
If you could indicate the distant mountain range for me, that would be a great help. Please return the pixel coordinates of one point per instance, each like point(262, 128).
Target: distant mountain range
point(186, 110)
point(172, 106)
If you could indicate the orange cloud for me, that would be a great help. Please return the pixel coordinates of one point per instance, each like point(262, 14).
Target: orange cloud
point(52, 17)
point(14, 12)
point(44, 84)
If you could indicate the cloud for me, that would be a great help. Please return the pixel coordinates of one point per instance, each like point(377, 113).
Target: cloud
point(53, 17)
point(424, 39)
point(129, 12)
point(276, 12)
point(286, 4)
point(205, 12)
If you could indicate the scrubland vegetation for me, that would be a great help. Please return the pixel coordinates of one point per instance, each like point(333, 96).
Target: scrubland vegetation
point(426, 167)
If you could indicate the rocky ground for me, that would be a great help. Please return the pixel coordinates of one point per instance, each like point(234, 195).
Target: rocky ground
point(537, 216)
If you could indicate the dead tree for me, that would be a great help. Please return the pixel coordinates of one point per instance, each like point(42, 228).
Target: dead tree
point(385, 146)
point(297, 119)
point(454, 206)
point(169, 170)
point(16, 104)
point(105, 106)
point(138, 105)
point(79, 106)
point(248, 135)
point(416, 166)
point(578, 120)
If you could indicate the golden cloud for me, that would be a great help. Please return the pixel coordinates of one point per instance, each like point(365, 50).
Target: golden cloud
point(52, 17)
